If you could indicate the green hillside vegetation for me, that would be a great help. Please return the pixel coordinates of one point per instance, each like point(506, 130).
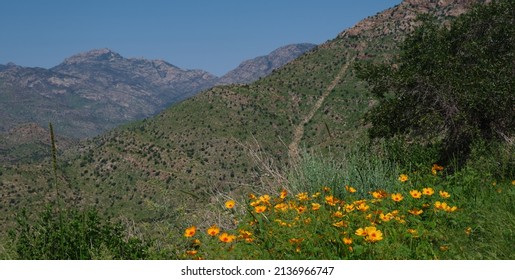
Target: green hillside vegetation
point(335, 150)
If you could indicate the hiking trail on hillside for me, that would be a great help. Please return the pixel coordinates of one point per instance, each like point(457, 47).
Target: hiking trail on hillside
point(298, 132)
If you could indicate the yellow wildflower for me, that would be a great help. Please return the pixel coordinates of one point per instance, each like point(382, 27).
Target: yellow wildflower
point(213, 230)
point(338, 214)
point(340, 224)
point(246, 235)
point(444, 194)
point(413, 232)
point(331, 200)
point(281, 207)
point(283, 194)
point(301, 209)
point(295, 240)
point(255, 203)
point(189, 232)
point(468, 231)
point(191, 252)
point(281, 223)
point(397, 197)
point(349, 208)
point(315, 195)
point(361, 201)
point(415, 211)
point(386, 218)
point(363, 207)
point(350, 189)
point(265, 199)
point(315, 206)
point(403, 178)
point(347, 240)
point(428, 191)
point(379, 194)
point(436, 168)
point(302, 196)
point(260, 209)
point(445, 207)
point(326, 189)
point(361, 232)
point(373, 234)
point(230, 204)
point(226, 238)
point(415, 194)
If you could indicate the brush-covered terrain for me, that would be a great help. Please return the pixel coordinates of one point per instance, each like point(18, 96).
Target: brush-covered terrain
point(325, 165)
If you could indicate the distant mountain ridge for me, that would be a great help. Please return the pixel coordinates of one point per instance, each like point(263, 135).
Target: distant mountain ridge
point(253, 69)
point(97, 90)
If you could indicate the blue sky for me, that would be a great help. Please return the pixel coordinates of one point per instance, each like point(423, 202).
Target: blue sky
point(192, 34)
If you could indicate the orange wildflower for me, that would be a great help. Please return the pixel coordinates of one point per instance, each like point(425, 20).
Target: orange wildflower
point(415, 194)
point(338, 214)
point(189, 232)
point(302, 196)
point(331, 200)
point(230, 204)
point(226, 238)
point(213, 230)
point(428, 191)
point(350, 189)
point(379, 194)
point(444, 194)
point(415, 211)
point(397, 197)
point(340, 224)
point(260, 209)
point(281, 207)
point(283, 194)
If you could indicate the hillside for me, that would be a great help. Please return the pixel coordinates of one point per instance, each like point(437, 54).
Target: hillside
point(226, 139)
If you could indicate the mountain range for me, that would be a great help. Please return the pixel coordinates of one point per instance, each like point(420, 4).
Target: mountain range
point(223, 141)
point(94, 91)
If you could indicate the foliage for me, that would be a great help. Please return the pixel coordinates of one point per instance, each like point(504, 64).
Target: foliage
point(73, 234)
point(360, 165)
point(425, 215)
point(450, 84)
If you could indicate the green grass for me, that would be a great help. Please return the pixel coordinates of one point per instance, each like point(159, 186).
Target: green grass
point(481, 226)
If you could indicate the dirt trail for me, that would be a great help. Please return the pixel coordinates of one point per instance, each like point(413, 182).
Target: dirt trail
point(298, 132)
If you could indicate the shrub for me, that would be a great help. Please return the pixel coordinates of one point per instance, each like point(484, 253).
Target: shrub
point(449, 84)
point(72, 234)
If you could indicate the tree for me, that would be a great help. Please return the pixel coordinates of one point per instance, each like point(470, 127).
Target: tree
point(450, 84)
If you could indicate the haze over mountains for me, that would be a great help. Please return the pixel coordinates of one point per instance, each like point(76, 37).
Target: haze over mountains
point(94, 91)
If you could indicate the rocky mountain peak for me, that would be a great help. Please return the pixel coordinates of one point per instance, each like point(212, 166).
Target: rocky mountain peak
point(94, 55)
point(400, 19)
